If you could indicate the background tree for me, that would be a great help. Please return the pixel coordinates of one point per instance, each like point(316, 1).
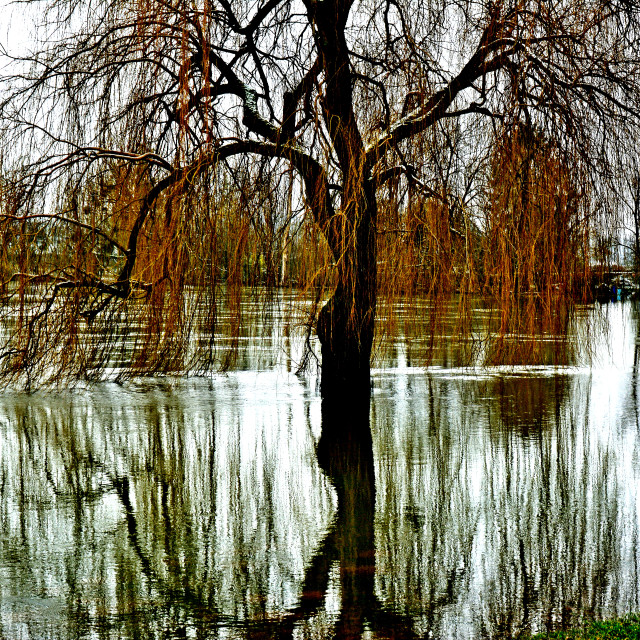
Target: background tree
point(128, 126)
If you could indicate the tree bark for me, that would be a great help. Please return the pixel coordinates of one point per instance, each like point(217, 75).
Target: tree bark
point(345, 325)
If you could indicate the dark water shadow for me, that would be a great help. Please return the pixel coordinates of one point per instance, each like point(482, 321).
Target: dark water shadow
point(345, 454)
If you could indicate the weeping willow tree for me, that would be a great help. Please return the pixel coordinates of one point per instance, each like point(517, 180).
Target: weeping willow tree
point(135, 133)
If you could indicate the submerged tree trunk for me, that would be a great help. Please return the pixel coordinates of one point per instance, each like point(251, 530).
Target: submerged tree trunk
point(346, 323)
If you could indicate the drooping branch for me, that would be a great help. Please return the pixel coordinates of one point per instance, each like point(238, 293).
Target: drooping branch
point(70, 221)
point(312, 173)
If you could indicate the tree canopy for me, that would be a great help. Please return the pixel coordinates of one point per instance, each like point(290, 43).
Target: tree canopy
point(147, 146)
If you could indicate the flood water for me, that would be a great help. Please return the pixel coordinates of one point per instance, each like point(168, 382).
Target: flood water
point(461, 503)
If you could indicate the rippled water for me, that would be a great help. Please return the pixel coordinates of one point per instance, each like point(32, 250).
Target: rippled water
point(461, 503)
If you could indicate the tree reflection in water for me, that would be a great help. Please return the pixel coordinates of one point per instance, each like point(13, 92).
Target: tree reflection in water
point(460, 506)
point(345, 454)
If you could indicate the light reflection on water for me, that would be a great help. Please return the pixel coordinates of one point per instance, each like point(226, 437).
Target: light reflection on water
point(480, 503)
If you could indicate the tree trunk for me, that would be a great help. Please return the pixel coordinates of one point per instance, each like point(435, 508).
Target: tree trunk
point(346, 323)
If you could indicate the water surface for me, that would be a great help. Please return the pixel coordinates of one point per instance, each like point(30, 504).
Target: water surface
point(459, 503)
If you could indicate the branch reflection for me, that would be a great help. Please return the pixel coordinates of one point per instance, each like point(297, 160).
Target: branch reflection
point(476, 507)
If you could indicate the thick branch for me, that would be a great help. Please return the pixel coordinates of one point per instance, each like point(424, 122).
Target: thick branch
point(435, 108)
point(312, 173)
